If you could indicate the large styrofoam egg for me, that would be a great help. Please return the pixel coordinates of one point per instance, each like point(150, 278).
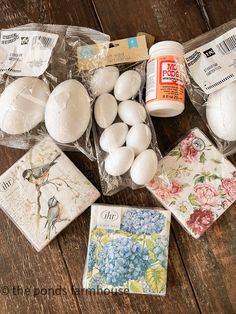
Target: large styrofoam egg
point(113, 137)
point(119, 161)
point(139, 138)
point(68, 112)
point(131, 112)
point(144, 167)
point(127, 85)
point(105, 110)
point(221, 112)
point(103, 80)
point(22, 105)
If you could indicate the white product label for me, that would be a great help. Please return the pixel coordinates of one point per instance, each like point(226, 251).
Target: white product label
point(25, 53)
point(213, 65)
point(109, 218)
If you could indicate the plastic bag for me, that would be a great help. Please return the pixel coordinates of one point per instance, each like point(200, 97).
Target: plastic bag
point(50, 53)
point(116, 163)
point(211, 82)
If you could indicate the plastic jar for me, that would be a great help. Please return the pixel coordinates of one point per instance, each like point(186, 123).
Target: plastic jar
point(165, 84)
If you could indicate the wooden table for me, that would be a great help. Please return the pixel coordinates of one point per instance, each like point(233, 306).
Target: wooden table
point(201, 273)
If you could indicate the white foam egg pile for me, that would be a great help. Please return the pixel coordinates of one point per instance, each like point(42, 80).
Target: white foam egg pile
point(124, 136)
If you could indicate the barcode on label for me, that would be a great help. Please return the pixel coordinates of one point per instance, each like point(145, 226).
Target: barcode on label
point(227, 45)
point(46, 42)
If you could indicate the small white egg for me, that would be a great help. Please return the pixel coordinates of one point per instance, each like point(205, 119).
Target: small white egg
point(105, 110)
point(104, 80)
point(221, 112)
point(68, 112)
point(131, 112)
point(127, 85)
point(144, 167)
point(22, 105)
point(119, 161)
point(139, 138)
point(113, 137)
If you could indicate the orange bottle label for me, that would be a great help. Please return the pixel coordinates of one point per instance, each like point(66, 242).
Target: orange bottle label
point(165, 79)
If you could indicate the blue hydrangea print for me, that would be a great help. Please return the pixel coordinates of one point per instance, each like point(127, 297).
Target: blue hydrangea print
point(122, 260)
point(91, 255)
point(96, 282)
point(141, 221)
point(161, 251)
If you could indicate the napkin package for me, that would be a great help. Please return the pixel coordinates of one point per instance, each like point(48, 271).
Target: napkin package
point(43, 192)
point(127, 250)
point(195, 182)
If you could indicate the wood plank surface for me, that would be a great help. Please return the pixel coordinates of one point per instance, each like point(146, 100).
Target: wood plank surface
point(200, 273)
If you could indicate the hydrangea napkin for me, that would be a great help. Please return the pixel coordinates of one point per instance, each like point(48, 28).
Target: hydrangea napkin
point(195, 182)
point(127, 250)
point(43, 192)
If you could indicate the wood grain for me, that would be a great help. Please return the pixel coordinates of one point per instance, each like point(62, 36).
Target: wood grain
point(200, 273)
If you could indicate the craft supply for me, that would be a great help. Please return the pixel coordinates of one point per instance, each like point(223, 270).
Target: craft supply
point(119, 161)
point(127, 250)
point(113, 137)
point(127, 85)
point(104, 80)
point(221, 112)
point(43, 192)
point(105, 110)
point(195, 182)
point(68, 112)
point(131, 112)
point(144, 167)
point(165, 84)
point(139, 138)
point(22, 105)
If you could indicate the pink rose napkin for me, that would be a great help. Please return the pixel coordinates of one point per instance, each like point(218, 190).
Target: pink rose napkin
point(195, 182)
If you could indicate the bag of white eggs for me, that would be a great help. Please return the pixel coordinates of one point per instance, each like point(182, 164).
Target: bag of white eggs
point(43, 90)
point(211, 82)
point(124, 136)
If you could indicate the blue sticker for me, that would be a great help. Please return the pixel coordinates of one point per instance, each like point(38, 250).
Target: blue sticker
point(86, 52)
point(132, 42)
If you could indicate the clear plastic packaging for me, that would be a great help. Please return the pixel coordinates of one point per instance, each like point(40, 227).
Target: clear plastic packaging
point(48, 53)
point(111, 184)
point(210, 82)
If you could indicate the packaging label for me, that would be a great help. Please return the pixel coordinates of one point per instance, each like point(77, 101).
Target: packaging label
point(213, 65)
point(25, 53)
point(131, 49)
point(109, 218)
point(164, 79)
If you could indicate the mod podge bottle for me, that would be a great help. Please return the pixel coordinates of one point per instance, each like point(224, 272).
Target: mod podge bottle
point(165, 83)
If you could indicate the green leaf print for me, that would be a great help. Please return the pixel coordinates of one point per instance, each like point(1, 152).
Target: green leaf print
point(202, 158)
point(193, 199)
point(156, 278)
point(135, 286)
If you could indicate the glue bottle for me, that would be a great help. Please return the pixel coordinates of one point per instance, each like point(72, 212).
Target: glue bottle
point(165, 84)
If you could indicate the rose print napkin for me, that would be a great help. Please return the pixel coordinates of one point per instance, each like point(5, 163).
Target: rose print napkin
point(43, 192)
point(128, 250)
point(195, 182)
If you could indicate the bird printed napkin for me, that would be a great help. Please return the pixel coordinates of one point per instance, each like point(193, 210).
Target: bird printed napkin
point(127, 250)
point(195, 182)
point(43, 192)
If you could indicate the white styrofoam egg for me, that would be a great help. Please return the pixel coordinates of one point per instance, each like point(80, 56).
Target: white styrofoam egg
point(139, 138)
point(131, 112)
point(68, 112)
point(144, 167)
point(221, 112)
point(104, 80)
point(105, 110)
point(113, 137)
point(127, 85)
point(119, 161)
point(22, 105)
